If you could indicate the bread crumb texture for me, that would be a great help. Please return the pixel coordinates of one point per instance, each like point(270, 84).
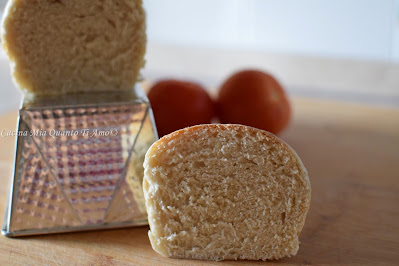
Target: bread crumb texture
point(69, 46)
point(225, 192)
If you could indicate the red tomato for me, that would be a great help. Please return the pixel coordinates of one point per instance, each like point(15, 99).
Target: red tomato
point(256, 99)
point(179, 104)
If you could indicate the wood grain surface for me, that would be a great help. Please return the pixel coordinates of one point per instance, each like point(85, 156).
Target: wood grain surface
point(352, 155)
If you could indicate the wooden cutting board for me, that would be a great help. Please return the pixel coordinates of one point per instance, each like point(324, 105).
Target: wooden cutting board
point(352, 155)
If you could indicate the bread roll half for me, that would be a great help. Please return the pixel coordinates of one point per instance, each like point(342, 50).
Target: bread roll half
point(225, 192)
point(69, 46)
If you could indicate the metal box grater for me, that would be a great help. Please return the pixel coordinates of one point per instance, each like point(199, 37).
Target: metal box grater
point(79, 163)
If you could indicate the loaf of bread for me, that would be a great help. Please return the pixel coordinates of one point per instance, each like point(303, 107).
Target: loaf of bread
point(69, 46)
point(225, 192)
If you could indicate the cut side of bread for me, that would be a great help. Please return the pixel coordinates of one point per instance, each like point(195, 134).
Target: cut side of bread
point(225, 192)
point(69, 46)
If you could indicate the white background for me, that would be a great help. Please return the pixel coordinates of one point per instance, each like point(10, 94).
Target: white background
point(362, 29)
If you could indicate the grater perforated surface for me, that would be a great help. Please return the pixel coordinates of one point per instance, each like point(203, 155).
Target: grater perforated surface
point(80, 165)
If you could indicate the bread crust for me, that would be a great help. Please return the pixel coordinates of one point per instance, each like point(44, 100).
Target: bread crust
point(155, 202)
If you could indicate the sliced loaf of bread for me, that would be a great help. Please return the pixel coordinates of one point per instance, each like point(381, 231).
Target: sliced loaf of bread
point(225, 192)
point(69, 46)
